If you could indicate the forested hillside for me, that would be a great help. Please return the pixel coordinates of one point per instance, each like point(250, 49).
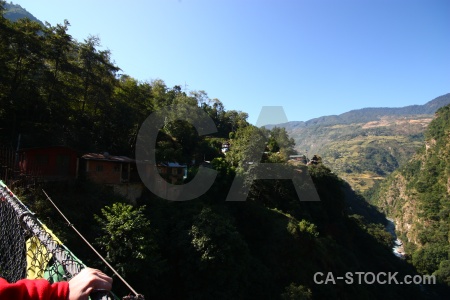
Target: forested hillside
point(268, 247)
point(417, 197)
point(55, 90)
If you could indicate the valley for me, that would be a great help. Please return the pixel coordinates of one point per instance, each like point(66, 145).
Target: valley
point(364, 146)
point(375, 163)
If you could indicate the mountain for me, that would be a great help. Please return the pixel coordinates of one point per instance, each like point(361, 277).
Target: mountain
point(15, 12)
point(371, 114)
point(417, 198)
point(268, 247)
point(364, 146)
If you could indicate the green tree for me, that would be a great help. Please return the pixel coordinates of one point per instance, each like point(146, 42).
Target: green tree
point(428, 258)
point(129, 242)
point(236, 119)
point(131, 103)
point(219, 257)
point(25, 66)
point(127, 237)
point(296, 292)
point(443, 273)
point(247, 147)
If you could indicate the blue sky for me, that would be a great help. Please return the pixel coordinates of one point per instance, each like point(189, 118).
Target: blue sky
point(312, 57)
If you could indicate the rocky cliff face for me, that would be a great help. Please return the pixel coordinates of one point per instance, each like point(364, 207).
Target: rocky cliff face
point(403, 207)
point(417, 198)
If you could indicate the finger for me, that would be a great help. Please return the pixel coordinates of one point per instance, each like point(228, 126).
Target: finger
point(104, 277)
point(97, 279)
point(102, 285)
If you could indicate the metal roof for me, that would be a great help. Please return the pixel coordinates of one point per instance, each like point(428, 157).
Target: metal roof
point(107, 157)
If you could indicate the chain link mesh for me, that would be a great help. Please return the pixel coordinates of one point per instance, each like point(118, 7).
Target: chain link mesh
point(28, 249)
point(13, 261)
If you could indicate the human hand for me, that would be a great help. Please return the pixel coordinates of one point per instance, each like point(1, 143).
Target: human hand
point(81, 285)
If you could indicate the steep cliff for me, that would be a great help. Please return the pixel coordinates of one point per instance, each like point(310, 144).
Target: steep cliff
point(417, 197)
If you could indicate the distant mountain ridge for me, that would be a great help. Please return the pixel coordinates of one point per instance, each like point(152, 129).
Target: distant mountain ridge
point(370, 114)
point(15, 12)
point(363, 146)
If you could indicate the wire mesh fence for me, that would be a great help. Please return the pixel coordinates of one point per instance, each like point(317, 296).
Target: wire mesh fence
point(28, 249)
point(13, 263)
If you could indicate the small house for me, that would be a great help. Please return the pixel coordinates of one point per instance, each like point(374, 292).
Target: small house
point(108, 169)
point(48, 163)
point(118, 172)
point(173, 172)
point(225, 147)
point(302, 158)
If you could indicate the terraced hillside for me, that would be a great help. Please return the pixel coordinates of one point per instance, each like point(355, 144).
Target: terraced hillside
point(364, 146)
point(373, 150)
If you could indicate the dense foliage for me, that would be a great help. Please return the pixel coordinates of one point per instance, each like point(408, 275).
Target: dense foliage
point(267, 247)
point(55, 90)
